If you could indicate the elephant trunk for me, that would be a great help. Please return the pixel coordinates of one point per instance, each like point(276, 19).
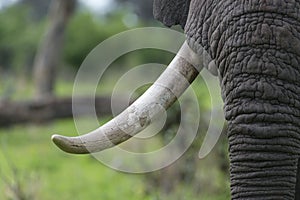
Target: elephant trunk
point(256, 46)
point(263, 124)
point(259, 69)
point(263, 162)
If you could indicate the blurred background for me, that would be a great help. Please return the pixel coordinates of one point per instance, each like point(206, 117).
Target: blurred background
point(42, 45)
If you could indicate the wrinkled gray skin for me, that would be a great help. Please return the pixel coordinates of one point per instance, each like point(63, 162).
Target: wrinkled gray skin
point(256, 47)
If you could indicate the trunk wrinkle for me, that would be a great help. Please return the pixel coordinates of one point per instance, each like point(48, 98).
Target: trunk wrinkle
point(256, 46)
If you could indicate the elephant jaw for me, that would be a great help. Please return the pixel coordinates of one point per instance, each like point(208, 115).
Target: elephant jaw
point(161, 95)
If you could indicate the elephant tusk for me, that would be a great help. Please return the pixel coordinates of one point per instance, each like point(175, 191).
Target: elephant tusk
point(162, 94)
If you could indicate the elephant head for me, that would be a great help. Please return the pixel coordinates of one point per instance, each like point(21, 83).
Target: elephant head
point(255, 45)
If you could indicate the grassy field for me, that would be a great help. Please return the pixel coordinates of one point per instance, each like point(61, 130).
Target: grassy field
point(29, 161)
point(47, 173)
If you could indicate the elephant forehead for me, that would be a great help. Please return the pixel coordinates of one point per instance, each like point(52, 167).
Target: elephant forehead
point(208, 20)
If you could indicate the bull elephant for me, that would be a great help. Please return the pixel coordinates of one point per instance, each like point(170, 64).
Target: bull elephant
point(255, 45)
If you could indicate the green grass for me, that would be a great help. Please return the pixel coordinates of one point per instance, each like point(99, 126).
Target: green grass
point(56, 175)
point(48, 173)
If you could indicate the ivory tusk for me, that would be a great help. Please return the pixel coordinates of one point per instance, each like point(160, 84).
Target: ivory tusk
point(162, 94)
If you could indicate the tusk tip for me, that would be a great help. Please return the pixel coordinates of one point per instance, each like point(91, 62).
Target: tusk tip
point(60, 141)
point(68, 144)
point(55, 138)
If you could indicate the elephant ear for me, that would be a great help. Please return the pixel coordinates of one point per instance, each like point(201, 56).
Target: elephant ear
point(171, 12)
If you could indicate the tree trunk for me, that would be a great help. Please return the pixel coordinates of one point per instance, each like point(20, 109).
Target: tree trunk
point(48, 54)
point(52, 108)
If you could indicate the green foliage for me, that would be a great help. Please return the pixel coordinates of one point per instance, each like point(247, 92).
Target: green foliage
point(81, 36)
point(19, 36)
point(85, 32)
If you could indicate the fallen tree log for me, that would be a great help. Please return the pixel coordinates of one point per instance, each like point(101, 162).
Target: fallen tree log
point(46, 110)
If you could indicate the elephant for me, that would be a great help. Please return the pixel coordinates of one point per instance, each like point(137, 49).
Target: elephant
point(255, 47)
